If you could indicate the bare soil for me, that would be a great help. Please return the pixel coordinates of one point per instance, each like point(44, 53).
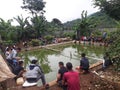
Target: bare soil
point(110, 74)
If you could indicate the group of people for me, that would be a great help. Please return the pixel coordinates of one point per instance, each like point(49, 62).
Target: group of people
point(67, 78)
point(12, 58)
point(31, 74)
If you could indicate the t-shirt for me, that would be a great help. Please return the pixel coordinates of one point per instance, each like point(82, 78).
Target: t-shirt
point(61, 71)
point(72, 79)
point(107, 61)
point(8, 55)
point(14, 53)
point(84, 63)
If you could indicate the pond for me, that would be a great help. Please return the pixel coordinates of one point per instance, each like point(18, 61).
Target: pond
point(48, 59)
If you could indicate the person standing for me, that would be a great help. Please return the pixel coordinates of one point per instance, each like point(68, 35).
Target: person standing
point(84, 63)
point(60, 74)
point(71, 78)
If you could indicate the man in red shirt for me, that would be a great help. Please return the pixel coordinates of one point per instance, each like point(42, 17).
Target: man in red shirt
point(71, 78)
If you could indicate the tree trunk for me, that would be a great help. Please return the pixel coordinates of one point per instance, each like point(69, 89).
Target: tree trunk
point(78, 34)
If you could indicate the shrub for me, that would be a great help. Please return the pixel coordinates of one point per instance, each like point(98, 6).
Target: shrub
point(49, 38)
point(114, 48)
point(35, 42)
point(7, 43)
point(69, 34)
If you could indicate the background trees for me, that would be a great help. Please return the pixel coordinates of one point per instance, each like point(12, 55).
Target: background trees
point(34, 6)
point(21, 31)
point(110, 7)
point(83, 27)
point(6, 29)
point(38, 25)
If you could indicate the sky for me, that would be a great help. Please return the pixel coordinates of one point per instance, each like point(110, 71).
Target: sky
point(64, 10)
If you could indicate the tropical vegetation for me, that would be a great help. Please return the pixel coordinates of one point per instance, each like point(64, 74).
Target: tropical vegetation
point(112, 8)
point(36, 26)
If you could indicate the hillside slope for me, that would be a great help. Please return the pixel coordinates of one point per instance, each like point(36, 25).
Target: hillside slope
point(101, 20)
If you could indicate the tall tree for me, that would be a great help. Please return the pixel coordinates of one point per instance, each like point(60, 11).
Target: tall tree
point(56, 22)
point(34, 6)
point(110, 7)
point(36, 9)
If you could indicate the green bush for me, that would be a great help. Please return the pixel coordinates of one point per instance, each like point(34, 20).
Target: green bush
point(69, 34)
point(114, 48)
point(35, 42)
point(97, 33)
point(1, 41)
point(7, 43)
point(49, 38)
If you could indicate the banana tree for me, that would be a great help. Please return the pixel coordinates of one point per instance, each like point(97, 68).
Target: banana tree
point(21, 28)
point(5, 28)
point(38, 24)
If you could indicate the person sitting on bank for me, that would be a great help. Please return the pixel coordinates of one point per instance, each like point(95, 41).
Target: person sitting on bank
point(71, 78)
point(107, 62)
point(8, 54)
point(15, 52)
point(15, 57)
point(19, 69)
point(34, 73)
point(60, 74)
point(84, 63)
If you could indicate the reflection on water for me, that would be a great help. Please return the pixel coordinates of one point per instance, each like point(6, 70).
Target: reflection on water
point(48, 59)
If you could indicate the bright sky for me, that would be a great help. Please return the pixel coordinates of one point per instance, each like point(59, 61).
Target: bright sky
point(64, 10)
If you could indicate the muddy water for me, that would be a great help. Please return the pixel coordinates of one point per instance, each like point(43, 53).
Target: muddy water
point(48, 59)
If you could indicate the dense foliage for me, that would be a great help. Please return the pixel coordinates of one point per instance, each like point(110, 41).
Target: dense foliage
point(110, 7)
point(114, 49)
point(37, 26)
point(35, 42)
point(98, 19)
point(83, 26)
point(34, 6)
point(49, 38)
